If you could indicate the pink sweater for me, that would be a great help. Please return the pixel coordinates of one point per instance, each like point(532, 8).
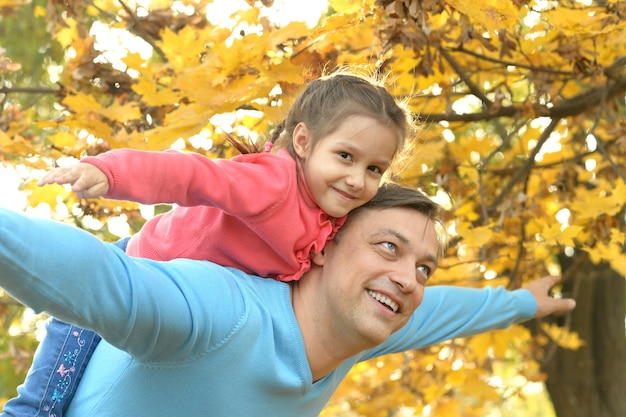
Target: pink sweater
point(252, 212)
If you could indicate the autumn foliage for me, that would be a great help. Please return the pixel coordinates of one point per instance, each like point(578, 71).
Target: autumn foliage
point(522, 139)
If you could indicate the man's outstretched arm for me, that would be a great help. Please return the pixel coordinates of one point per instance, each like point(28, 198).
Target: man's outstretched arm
point(448, 312)
point(147, 308)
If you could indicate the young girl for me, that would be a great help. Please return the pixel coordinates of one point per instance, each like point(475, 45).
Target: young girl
point(263, 213)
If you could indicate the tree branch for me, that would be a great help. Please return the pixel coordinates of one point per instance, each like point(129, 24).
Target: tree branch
point(137, 29)
point(466, 79)
point(28, 90)
point(599, 142)
point(511, 64)
point(523, 172)
point(569, 107)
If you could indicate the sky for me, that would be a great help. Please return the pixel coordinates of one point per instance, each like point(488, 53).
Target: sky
point(10, 195)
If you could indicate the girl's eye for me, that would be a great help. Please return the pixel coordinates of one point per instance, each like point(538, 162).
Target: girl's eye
point(345, 155)
point(375, 169)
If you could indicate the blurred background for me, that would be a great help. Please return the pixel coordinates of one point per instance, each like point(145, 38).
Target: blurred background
point(522, 138)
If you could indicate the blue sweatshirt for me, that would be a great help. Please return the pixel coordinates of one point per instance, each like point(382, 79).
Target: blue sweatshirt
point(192, 338)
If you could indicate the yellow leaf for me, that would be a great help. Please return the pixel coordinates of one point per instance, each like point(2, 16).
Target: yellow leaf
point(292, 30)
point(492, 14)
point(345, 6)
point(456, 378)
point(47, 194)
point(562, 337)
point(469, 172)
point(432, 392)
point(66, 34)
point(480, 389)
point(467, 211)
point(447, 408)
point(63, 139)
point(423, 154)
point(187, 56)
point(569, 234)
point(133, 60)
point(611, 253)
point(557, 233)
point(5, 140)
point(578, 21)
point(589, 205)
point(183, 122)
point(152, 96)
point(93, 11)
point(13, 3)
point(477, 236)
point(121, 113)
point(480, 345)
point(497, 343)
point(90, 122)
point(618, 236)
point(82, 102)
point(500, 343)
point(39, 11)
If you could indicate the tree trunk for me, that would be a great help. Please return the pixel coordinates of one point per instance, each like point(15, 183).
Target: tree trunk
point(590, 381)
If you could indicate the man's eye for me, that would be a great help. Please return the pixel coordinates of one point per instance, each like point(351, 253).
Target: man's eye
point(345, 155)
point(389, 246)
point(424, 269)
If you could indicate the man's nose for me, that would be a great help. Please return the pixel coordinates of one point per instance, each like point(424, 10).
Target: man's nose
point(405, 278)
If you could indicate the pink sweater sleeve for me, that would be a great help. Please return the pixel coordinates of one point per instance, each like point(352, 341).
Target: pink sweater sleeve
point(241, 186)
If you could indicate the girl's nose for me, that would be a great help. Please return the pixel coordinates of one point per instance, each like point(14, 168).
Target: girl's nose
point(356, 180)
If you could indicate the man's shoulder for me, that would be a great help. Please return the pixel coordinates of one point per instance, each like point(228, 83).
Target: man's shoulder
point(250, 282)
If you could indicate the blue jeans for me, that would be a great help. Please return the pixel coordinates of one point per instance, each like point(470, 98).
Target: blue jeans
point(58, 365)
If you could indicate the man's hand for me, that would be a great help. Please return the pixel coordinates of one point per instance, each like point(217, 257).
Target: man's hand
point(546, 304)
point(87, 180)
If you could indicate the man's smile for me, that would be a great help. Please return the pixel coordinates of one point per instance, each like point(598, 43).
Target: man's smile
point(384, 300)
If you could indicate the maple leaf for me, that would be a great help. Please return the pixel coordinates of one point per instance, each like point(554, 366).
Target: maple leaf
point(63, 139)
point(556, 233)
point(49, 194)
point(591, 204)
point(493, 15)
point(563, 337)
point(477, 236)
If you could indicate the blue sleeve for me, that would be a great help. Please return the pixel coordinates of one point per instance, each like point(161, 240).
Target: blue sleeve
point(152, 310)
point(448, 312)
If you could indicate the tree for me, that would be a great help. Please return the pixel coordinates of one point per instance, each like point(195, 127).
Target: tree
point(523, 139)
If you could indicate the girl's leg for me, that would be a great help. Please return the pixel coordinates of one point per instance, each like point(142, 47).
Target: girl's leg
point(57, 367)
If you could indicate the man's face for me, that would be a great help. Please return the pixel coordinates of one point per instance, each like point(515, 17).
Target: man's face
point(374, 275)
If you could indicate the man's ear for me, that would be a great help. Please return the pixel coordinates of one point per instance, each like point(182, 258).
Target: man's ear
point(318, 258)
point(301, 140)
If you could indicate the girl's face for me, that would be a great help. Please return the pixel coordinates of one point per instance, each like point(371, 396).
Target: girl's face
point(343, 170)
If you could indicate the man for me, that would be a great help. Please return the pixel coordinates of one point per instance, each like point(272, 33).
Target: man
point(191, 338)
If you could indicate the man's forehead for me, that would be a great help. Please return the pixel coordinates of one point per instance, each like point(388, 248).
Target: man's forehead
point(398, 219)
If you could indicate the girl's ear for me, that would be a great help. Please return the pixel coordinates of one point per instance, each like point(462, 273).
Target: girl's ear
point(302, 140)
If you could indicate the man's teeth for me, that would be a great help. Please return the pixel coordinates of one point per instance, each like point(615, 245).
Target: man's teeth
point(384, 300)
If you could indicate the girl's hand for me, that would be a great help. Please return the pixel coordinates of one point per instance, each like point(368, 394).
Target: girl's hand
point(87, 180)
